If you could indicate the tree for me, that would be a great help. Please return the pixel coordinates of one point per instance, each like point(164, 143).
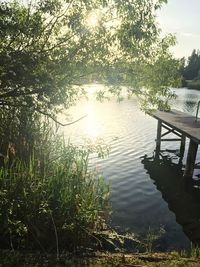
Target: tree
point(47, 47)
point(193, 65)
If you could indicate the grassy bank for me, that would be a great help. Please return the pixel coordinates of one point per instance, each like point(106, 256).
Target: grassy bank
point(172, 259)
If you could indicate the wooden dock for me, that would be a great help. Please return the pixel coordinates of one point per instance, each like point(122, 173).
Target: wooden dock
point(182, 125)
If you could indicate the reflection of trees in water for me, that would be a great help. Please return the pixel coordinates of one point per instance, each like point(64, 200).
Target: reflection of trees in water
point(182, 195)
point(190, 103)
point(187, 102)
point(190, 106)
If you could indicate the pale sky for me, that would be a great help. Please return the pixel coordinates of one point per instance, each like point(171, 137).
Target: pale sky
point(182, 18)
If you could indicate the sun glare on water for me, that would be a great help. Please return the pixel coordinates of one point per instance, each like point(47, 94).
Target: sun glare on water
point(92, 127)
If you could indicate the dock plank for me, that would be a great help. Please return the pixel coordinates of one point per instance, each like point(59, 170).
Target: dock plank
point(182, 122)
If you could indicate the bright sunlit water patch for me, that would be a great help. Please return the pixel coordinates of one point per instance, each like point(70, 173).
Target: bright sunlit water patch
point(92, 89)
point(92, 127)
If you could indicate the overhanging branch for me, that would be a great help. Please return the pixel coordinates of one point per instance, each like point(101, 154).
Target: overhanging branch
point(58, 122)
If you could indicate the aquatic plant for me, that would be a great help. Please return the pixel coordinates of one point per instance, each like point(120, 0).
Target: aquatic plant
point(151, 237)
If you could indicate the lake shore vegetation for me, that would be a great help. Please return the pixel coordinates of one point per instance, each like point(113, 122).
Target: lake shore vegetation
point(49, 199)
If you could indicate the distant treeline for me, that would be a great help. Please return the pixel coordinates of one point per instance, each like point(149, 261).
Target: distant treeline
point(190, 70)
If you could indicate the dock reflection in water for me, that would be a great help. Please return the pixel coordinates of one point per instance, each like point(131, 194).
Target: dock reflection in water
point(182, 195)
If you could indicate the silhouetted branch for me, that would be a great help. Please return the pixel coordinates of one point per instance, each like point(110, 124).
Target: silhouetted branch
point(58, 122)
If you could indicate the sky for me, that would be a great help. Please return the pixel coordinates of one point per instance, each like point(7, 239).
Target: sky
point(182, 18)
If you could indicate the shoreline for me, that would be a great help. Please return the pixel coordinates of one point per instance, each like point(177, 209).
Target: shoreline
point(98, 259)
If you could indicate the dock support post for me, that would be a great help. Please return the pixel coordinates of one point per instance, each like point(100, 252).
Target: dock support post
point(182, 148)
point(158, 139)
point(191, 157)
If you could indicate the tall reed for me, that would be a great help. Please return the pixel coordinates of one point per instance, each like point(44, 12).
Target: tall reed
point(48, 198)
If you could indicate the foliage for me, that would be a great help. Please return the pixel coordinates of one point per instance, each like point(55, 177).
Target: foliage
point(48, 49)
point(50, 200)
point(44, 48)
point(190, 69)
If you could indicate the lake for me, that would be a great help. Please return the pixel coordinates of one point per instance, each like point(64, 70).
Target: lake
point(145, 194)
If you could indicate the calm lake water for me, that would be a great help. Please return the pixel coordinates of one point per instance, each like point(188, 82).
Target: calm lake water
point(144, 192)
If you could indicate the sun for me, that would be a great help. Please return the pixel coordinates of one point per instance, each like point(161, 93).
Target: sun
point(92, 20)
